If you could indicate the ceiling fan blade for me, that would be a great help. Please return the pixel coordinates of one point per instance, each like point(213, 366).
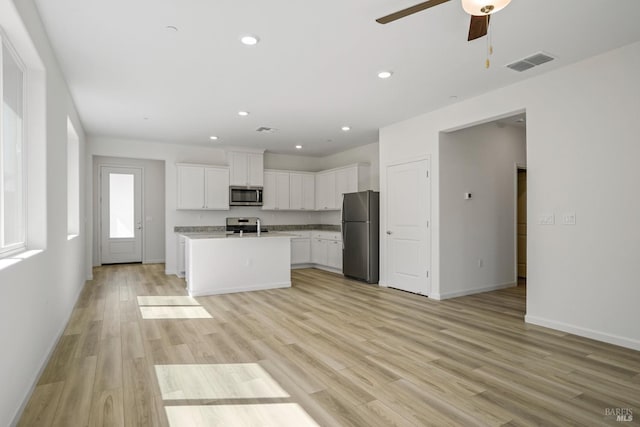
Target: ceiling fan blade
point(409, 11)
point(478, 26)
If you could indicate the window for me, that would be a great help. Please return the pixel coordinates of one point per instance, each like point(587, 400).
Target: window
point(73, 181)
point(12, 156)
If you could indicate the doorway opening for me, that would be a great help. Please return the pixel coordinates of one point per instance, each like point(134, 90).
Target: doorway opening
point(521, 225)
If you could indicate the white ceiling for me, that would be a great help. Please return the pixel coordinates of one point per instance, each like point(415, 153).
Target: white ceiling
point(314, 69)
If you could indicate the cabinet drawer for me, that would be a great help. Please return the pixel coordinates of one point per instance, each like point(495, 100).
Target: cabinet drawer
point(327, 235)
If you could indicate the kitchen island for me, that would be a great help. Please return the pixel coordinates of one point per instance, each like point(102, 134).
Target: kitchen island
point(220, 263)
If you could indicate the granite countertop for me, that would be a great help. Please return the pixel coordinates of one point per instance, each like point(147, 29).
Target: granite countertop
point(215, 229)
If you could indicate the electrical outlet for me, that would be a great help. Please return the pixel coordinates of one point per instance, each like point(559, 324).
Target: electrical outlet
point(546, 219)
point(569, 218)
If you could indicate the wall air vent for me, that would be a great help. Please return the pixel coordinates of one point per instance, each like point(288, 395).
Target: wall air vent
point(265, 129)
point(530, 62)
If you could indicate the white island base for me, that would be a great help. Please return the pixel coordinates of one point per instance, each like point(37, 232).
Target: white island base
point(221, 264)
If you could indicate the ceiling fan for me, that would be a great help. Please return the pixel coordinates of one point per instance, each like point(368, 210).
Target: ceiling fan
point(478, 9)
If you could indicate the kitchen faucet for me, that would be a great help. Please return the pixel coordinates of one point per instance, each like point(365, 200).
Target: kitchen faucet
point(258, 226)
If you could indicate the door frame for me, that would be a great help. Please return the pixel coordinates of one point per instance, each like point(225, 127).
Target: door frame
point(384, 224)
point(517, 167)
point(98, 207)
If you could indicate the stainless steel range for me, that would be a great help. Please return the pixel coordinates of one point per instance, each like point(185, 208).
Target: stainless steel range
point(246, 225)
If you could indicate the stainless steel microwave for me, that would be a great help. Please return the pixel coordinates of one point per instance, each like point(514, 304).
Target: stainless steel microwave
point(245, 196)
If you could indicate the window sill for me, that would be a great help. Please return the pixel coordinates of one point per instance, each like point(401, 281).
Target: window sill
point(12, 259)
point(72, 236)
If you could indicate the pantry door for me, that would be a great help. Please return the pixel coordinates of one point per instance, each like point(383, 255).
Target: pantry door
point(407, 231)
point(121, 214)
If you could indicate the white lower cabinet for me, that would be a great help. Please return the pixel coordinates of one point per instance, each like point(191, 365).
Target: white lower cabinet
point(319, 251)
point(326, 250)
point(181, 257)
point(300, 251)
point(334, 254)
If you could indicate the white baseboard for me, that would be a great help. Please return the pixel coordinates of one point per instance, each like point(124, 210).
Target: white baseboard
point(326, 268)
point(300, 266)
point(456, 294)
point(218, 291)
point(584, 332)
point(45, 360)
point(153, 261)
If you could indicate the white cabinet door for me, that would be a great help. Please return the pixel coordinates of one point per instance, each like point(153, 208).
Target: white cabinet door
point(325, 191)
point(255, 169)
point(334, 254)
point(282, 190)
point(346, 182)
point(239, 163)
point(216, 188)
point(295, 191)
point(300, 251)
point(269, 191)
point(308, 192)
point(302, 191)
point(180, 254)
point(319, 251)
point(247, 169)
point(190, 187)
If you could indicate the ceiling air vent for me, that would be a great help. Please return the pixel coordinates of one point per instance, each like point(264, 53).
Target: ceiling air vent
point(265, 129)
point(530, 62)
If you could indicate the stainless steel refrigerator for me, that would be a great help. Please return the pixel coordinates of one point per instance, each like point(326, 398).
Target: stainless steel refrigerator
point(360, 235)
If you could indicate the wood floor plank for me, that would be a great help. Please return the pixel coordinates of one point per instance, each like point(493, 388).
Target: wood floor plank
point(42, 405)
point(344, 352)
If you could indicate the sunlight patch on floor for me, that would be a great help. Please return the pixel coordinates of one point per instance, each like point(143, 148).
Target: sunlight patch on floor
point(220, 381)
point(174, 313)
point(273, 414)
point(167, 300)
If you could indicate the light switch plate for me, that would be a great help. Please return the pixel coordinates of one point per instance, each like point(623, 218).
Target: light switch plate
point(569, 218)
point(546, 219)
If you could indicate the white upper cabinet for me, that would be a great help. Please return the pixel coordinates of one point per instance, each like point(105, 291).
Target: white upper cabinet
point(202, 187)
point(332, 184)
point(247, 168)
point(216, 188)
point(276, 190)
point(325, 191)
point(303, 190)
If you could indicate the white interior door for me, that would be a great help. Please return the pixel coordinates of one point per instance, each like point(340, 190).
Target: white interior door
point(121, 215)
point(407, 227)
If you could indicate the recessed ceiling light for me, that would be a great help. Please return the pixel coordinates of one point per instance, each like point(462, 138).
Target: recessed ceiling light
point(299, 147)
point(249, 40)
point(213, 138)
point(171, 27)
point(385, 74)
point(243, 113)
point(346, 128)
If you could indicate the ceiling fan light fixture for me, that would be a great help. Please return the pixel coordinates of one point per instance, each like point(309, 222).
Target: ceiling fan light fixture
point(484, 7)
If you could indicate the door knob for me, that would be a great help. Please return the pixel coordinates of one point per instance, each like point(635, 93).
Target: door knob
point(389, 232)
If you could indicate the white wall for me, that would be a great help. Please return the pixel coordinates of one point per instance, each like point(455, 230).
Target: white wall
point(153, 203)
point(582, 153)
point(37, 294)
point(477, 235)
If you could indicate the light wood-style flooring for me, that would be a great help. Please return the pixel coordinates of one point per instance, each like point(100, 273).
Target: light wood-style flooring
point(328, 351)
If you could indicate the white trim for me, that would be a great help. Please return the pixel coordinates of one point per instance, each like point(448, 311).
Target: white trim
point(45, 361)
point(584, 332)
point(218, 291)
point(465, 292)
point(411, 159)
point(153, 261)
